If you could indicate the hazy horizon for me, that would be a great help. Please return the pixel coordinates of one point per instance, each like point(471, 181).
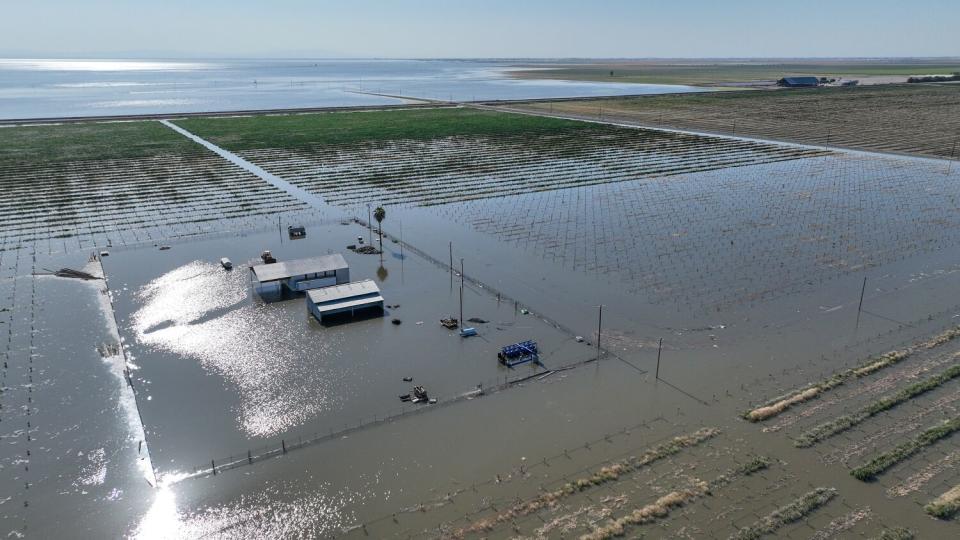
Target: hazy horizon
point(494, 29)
point(159, 56)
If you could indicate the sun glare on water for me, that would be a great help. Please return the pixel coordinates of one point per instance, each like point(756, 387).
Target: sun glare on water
point(26, 64)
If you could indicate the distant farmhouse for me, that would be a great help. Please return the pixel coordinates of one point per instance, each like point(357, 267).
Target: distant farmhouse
point(798, 82)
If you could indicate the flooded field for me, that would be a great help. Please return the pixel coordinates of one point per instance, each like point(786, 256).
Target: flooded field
point(777, 348)
point(249, 373)
point(75, 187)
point(676, 218)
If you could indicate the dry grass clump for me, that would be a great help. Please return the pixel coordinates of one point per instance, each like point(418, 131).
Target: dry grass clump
point(886, 359)
point(845, 422)
point(762, 413)
point(843, 523)
point(940, 339)
point(649, 513)
point(884, 461)
point(795, 511)
point(945, 506)
point(607, 473)
point(782, 403)
point(675, 499)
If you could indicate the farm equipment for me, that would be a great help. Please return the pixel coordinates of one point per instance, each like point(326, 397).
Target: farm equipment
point(519, 353)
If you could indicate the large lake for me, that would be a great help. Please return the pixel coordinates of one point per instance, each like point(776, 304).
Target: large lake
point(58, 88)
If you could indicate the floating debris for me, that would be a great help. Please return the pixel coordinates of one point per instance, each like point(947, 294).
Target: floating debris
point(364, 250)
point(107, 350)
point(73, 274)
point(449, 322)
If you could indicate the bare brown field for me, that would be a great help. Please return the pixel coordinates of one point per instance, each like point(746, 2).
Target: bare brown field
point(904, 119)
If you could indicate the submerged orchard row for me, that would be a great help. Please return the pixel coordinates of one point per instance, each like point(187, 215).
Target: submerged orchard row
point(113, 178)
point(677, 217)
point(461, 168)
point(736, 234)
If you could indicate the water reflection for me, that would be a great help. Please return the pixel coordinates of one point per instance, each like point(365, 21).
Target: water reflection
point(98, 65)
point(279, 511)
point(200, 311)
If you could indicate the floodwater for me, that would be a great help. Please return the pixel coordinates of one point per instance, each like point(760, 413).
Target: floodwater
point(218, 371)
point(48, 88)
point(222, 371)
point(73, 462)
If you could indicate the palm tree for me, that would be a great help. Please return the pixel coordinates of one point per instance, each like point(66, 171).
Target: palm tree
point(380, 214)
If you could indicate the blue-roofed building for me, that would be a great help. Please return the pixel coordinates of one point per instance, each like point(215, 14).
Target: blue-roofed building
point(799, 82)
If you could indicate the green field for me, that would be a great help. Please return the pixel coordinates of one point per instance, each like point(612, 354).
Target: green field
point(45, 144)
point(339, 128)
point(707, 74)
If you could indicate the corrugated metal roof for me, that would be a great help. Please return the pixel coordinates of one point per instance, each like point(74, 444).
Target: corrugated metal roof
point(347, 291)
point(345, 304)
point(299, 267)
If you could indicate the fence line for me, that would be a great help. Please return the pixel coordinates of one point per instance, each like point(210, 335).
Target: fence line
point(489, 386)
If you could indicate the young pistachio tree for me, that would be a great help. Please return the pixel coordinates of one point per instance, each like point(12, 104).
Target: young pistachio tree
point(380, 214)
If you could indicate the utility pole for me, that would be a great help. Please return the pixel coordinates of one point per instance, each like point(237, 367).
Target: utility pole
point(461, 292)
point(370, 224)
point(599, 329)
point(659, 348)
point(953, 155)
point(860, 307)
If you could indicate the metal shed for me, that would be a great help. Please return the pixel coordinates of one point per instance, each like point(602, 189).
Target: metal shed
point(799, 82)
point(304, 274)
point(346, 298)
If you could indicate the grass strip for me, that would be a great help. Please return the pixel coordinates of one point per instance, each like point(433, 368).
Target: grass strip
point(845, 422)
point(895, 533)
point(792, 512)
point(31, 146)
point(675, 499)
point(872, 365)
point(884, 461)
point(605, 474)
point(945, 506)
point(289, 131)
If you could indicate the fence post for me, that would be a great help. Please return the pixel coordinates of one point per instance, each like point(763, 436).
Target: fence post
point(283, 445)
point(213, 467)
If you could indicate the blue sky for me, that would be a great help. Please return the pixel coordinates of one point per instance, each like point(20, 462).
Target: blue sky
point(490, 28)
